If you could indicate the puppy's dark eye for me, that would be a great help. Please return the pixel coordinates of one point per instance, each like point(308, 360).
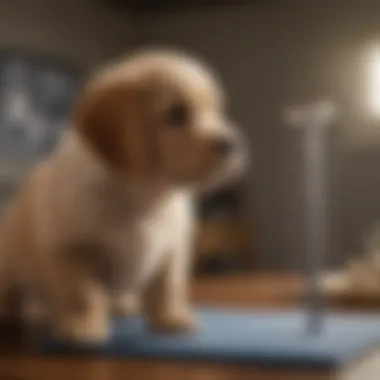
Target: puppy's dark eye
point(178, 115)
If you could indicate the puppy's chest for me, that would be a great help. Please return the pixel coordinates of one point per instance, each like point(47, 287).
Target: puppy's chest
point(157, 228)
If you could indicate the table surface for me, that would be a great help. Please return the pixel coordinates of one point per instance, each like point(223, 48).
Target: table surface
point(255, 290)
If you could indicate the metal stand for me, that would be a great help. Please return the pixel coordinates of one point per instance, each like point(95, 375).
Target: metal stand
point(314, 119)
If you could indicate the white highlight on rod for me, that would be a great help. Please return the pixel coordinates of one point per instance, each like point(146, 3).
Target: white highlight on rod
point(373, 81)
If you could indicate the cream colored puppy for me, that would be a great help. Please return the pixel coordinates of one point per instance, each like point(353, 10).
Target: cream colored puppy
point(109, 215)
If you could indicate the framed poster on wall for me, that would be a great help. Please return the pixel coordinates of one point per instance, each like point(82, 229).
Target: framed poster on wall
point(36, 96)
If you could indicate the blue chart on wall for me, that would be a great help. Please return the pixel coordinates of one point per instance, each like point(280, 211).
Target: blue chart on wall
point(36, 96)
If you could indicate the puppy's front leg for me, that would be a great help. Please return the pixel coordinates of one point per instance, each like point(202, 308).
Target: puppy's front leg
point(78, 302)
point(126, 304)
point(86, 322)
point(167, 297)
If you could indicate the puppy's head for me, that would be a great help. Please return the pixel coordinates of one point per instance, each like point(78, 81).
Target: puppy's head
point(160, 115)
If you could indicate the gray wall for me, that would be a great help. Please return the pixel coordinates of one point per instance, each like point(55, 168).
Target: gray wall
point(81, 31)
point(273, 56)
point(269, 57)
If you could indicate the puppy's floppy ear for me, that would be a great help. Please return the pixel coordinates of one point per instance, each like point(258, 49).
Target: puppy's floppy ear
point(110, 117)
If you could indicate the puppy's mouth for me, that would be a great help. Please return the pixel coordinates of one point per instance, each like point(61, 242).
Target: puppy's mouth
point(230, 170)
point(213, 166)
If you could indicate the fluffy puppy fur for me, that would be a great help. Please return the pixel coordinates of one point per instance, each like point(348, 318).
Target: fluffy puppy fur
point(109, 216)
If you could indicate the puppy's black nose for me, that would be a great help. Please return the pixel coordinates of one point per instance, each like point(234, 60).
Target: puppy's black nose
point(223, 147)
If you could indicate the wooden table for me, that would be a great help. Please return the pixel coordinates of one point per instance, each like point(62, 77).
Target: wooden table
point(263, 291)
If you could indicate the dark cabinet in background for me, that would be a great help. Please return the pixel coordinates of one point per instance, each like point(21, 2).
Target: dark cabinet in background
point(223, 244)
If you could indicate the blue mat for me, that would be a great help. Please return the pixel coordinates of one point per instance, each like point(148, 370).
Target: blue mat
point(251, 337)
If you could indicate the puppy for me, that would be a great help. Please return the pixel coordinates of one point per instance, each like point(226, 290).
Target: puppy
point(109, 216)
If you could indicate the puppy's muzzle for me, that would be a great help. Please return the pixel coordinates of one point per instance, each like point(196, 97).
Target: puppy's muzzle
point(224, 146)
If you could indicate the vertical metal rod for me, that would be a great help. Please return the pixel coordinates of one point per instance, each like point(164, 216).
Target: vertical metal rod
point(316, 213)
point(314, 120)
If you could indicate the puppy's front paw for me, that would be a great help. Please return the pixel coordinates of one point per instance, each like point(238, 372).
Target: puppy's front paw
point(175, 322)
point(126, 305)
point(88, 328)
